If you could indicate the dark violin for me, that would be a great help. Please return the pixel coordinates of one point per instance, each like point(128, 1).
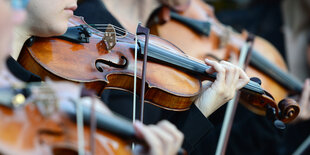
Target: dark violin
point(204, 36)
point(173, 79)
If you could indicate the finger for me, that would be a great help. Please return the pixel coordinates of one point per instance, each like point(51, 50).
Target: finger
point(167, 140)
point(210, 63)
point(304, 99)
point(150, 138)
point(218, 68)
point(243, 79)
point(237, 78)
point(173, 131)
point(242, 76)
point(232, 77)
point(232, 74)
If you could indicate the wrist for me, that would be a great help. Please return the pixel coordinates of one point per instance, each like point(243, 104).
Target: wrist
point(205, 110)
point(207, 104)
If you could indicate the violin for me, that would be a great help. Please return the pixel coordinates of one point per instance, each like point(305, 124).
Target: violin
point(205, 37)
point(173, 79)
point(28, 126)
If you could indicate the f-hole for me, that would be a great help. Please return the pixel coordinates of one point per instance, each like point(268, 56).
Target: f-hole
point(102, 62)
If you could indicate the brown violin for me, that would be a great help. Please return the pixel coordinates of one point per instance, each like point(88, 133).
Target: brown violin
point(204, 36)
point(173, 79)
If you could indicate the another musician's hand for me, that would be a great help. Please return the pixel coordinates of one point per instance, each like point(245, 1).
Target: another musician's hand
point(63, 90)
point(162, 139)
point(304, 102)
point(66, 91)
point(230, 78)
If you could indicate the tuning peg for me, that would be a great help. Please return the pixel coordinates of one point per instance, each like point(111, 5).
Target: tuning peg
point(271, 113)
point(256, 79)
point(279, 125)
point(30, 41)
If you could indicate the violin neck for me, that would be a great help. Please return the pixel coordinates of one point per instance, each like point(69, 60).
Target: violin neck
point(186, 64)
point(267, 67)
point(264, 65)
point(283, 78)
point(201, 27)
point(258, 61)
point(112, 124)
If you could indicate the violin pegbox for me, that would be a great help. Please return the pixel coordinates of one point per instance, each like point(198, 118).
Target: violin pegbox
point(109, 37)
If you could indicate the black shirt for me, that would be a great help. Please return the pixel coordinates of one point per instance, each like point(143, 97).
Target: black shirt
point(251, 134)
point(20, 72)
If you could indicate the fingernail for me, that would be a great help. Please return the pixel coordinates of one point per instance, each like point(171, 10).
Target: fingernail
point(139, 124)
point(206, 59)
point(139, 128)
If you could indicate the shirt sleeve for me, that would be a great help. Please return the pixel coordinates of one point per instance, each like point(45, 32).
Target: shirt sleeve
point(193, 124)
point(20, 72)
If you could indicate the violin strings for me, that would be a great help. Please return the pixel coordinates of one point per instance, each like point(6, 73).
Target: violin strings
point(104, 26)
point(217, 27)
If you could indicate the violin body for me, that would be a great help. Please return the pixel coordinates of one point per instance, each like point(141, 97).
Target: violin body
point(61, 59)
point(202, 46)
point(26, 131)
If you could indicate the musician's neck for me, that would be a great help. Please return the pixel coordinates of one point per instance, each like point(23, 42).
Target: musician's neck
point(130, 12)
point(20, 37)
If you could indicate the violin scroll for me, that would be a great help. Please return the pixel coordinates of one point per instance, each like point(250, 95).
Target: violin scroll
point(289, 109)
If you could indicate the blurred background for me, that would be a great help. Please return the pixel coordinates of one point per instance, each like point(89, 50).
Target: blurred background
point(260, 17)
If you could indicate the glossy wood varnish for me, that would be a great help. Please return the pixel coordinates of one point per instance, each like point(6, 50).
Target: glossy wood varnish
point(167, 87)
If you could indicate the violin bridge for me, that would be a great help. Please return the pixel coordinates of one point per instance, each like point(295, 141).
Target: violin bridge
point(46, 101)
point(109, 37)
point(225, 38)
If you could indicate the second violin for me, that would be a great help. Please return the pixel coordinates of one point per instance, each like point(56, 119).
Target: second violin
point(205, 37)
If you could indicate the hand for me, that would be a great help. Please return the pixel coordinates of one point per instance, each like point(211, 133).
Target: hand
point(230, 78)
point(304, 102)
point(66, 91)
point(162, 139)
